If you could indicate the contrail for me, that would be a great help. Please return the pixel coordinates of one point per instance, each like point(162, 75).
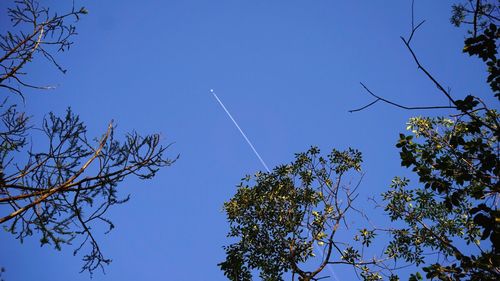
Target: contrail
point(263, 163)
point(241, 131)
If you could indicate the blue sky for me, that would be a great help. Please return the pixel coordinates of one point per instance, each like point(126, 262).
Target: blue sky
point(288, 71)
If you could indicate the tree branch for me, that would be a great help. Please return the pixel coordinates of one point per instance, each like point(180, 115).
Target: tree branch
point(378, 98)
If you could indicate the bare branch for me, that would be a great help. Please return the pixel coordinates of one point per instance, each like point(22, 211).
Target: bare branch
point(378, 98)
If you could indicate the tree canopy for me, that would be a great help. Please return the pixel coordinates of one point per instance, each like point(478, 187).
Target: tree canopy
point(450, 219)
point(294, 213)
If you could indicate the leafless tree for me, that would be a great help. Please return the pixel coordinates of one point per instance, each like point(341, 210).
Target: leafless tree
point(63, 186)
point(35, 31)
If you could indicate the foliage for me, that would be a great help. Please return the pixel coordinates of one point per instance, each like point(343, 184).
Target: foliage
point(485, 47)
point(54, 180)
point(483, 17)
point(281, 217)
point(457, 162)
point(476, 13)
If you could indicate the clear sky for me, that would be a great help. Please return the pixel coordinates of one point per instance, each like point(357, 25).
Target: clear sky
point(288, 71)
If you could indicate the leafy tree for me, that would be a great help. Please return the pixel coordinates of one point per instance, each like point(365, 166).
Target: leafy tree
point(453, 217)
point(280, 218)
point(456, 211)
point(61, 189)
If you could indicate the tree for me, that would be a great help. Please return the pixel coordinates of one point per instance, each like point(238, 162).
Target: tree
point(453, 219)
point(457, 161)
point(64, 190)
point(280, 217)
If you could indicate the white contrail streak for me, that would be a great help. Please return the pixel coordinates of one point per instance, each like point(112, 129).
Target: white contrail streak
point(261, 161)
point(241, 131)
